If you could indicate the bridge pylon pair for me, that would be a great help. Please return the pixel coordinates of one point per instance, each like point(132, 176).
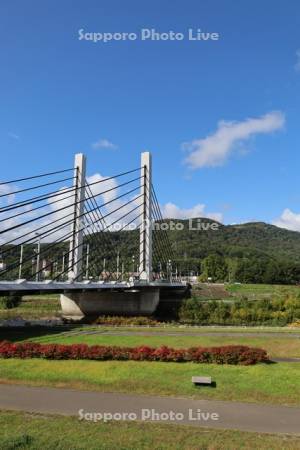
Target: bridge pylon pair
point(76, 241)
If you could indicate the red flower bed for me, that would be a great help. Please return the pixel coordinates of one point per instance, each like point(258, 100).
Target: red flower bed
point(230, 354)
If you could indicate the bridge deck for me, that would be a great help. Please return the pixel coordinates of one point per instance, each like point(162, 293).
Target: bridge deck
point(30, 287)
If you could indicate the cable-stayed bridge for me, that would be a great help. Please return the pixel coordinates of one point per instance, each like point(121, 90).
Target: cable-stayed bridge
point(99, 241)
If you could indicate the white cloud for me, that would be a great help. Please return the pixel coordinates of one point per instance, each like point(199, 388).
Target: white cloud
point(288, 220)
point(6, 194)
point(104, 144)
point(14, 136)
point(215, 149)
point(172, 211)
point(297, 65)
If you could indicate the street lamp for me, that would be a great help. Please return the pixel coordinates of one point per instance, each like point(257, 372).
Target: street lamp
point(87, 261)
point(38, 251)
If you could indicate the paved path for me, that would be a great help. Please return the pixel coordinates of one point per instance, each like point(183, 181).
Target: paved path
point(232, 415)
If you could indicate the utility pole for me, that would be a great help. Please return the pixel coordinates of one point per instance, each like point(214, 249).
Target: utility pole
point(76, 241)
point(21, 262)
point(118, 264)
point(37, 275)
point(145, 262)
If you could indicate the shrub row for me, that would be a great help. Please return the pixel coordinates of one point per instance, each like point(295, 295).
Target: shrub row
point(126, 321)
point(231, 354)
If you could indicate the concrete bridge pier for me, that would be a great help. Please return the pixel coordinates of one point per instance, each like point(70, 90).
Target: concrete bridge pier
point(88, 305)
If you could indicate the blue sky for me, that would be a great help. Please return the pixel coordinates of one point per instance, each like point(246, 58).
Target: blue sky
point(233, 104)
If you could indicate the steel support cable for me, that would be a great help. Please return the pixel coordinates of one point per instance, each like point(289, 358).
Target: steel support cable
point(165, 235)
point(35, 209)
point(159, 210)
point(56, 211)
point(56, 193)
point(36, 187)
point(99, 211)
point(120, 218)
point(158, 256)
point(66, 179)
point(164, 255)
point(92, 262)
point(36, 176)
point(158, 252)
point(64, 237)
point(100, 216)
point(125, 242)
point(126, 214)
point(93, 200)
point(51, 262)
point(51, 229)
point(158, 249)
point(159, 238)
point(102, 245)
point(53, 244)
point(95, 235)
point(112, 212)
point(140, 272)
point(44, 234)
point(125, 225)
point(161, 242)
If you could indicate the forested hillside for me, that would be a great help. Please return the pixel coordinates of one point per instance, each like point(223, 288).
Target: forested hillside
point(248, 253)
point(251, 252)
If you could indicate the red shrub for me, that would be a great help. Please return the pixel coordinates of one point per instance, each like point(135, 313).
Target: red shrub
point(231, 354)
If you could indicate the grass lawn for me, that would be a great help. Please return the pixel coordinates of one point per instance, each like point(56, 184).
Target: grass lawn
point(35, 432)
point(34, 307)
point(275, 346)
point(275, 383)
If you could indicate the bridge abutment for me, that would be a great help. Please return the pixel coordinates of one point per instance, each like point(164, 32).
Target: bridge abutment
point(133, 302)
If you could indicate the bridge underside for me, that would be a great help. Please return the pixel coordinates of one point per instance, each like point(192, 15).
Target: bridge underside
point(87, 300)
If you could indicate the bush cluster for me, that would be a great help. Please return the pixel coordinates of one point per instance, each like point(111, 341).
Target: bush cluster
point(278, 312)
point(10, 301)
point(231, 354)
point(126, 321)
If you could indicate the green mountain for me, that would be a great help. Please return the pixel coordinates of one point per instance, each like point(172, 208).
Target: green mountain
point(237, 240)
point(256, 252)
